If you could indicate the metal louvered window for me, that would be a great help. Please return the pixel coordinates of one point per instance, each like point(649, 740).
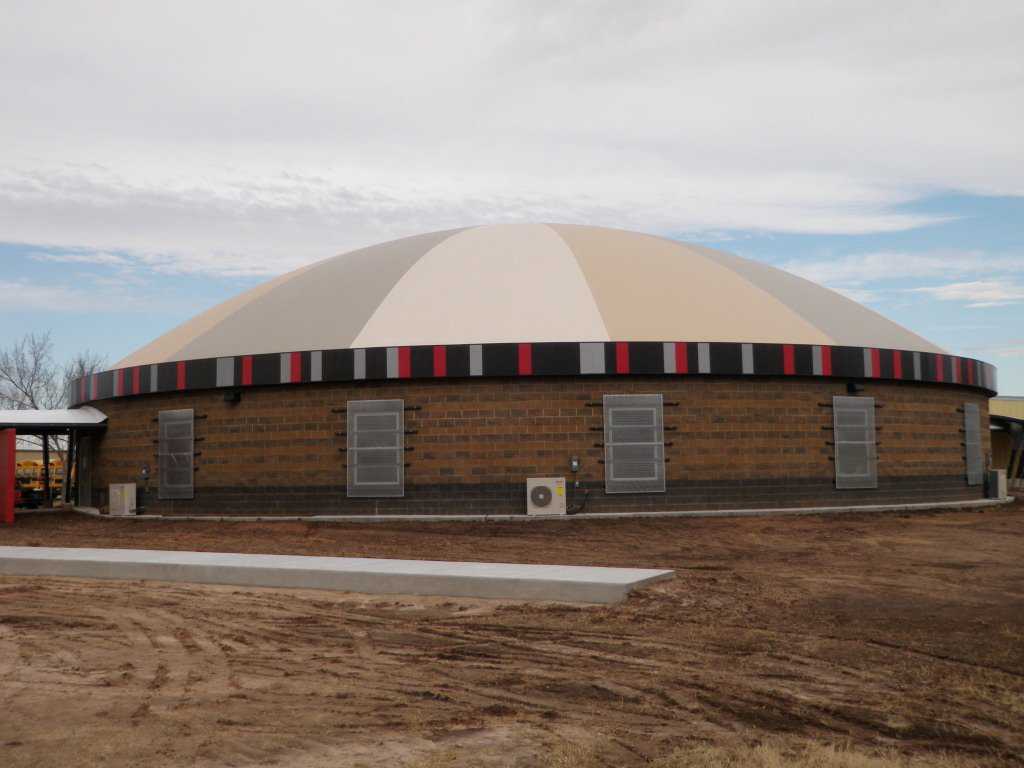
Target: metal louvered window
point(176, 446)
point(634, 444)
point(856, 455)
point(376, 448)
point(972, 443)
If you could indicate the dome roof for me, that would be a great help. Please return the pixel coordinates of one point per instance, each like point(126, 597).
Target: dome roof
point(527, 283)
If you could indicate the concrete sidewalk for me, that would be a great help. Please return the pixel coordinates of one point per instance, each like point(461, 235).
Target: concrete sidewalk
point(563, 583)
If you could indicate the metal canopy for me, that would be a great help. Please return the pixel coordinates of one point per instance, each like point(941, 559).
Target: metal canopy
point(60, 421)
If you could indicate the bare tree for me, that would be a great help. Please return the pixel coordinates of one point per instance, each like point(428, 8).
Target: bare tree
point(30, 379)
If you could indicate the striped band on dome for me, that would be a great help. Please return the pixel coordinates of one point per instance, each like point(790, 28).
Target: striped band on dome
point(611, 358)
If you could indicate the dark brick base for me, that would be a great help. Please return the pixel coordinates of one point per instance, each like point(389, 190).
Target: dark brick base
point(510, 499)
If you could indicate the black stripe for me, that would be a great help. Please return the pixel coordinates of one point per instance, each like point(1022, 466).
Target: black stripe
point(421, 362)
point(927, 366)
point(306, 366)
point(646, 357)
point(339, 365)
point(501, 359)
point(907, 359)
point(726, 357)
point(458, 359)
point(166, 377)
point(692, 358)
point(556, 359)
point(201, 374)
point(803, 359)
point(145, 378)
point(768, 360)
point(848, 361)
point(377, 363)
point(884, 364)
point(266, 369)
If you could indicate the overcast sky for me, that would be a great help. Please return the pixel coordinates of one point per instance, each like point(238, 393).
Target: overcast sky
point(158, 157)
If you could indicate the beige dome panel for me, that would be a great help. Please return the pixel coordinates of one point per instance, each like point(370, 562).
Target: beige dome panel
point(504, 283)
point(652, 289)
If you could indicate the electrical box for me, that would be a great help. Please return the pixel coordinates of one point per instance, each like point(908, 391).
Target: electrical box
point(545, 496)
point(996, 487)
point(122, 499)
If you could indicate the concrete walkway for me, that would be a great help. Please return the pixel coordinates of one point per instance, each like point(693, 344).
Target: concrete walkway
point(562, 583)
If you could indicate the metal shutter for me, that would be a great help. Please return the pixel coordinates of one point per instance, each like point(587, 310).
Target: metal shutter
point(972, 443)
point(175, 454)
point(634, 444)
point(856, 457)
point(376, 448)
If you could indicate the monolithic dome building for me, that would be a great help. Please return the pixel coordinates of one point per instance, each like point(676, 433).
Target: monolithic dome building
point(440, 373)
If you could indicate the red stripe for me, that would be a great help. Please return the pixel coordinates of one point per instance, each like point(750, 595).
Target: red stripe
point(961, 366)
point(897, 365)
point(525, 359)
point(826, 361)
point(682, 364)
point(622, 357)
point(404, 362)
point(296, 370)
point(441, 360)
point(970, 372)
point(181, 375)
point(938, 368)
point(247, 371)
point(788, 362)
point(136, 380)
point(876, 364)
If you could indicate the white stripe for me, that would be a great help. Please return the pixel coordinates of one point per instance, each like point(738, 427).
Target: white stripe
point(286, 367)
point(359, 364)
point(225, 371)
point(817, 367)
point(476, 360)
point(392, 372)
point(868, 368)
point(747, 353)
point(917, 366)
point(316, 366)
point(703, 357)
point(670, 357)
point(153, 377)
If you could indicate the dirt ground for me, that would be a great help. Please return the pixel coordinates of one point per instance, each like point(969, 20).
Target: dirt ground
point(880, 632)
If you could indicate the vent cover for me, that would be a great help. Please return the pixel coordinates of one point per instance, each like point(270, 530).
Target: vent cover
point(972, 443)
point(175, 454)
point(376, 448)
point(856, 454)
point(634, 444)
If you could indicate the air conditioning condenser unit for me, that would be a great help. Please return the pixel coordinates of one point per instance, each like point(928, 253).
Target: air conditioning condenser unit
point(545, 496)
point(122, 499)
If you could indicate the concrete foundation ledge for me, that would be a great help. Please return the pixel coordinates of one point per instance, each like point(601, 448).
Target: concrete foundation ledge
point(524, 518)
point(561, 583)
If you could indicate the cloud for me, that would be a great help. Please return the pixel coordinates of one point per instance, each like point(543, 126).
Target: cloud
point(27, 295)
point(865, 268)
point(100, 258)
point(977, 293)
point(252, 143)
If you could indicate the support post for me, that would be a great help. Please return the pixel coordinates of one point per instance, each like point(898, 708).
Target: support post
point(69, 467)
point(8, 452)
point(47, 490)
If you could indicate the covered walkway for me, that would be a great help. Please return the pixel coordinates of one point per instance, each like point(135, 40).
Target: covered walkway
point(72, 426)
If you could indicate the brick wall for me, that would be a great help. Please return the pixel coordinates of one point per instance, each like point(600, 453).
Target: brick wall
point(739, 442)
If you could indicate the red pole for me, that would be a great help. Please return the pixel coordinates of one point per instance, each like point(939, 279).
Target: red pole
point(8, 448)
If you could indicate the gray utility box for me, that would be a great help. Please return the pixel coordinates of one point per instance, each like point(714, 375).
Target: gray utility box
point(995, 488)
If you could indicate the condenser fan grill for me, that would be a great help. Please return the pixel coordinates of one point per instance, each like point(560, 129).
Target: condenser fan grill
point(540, 496)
